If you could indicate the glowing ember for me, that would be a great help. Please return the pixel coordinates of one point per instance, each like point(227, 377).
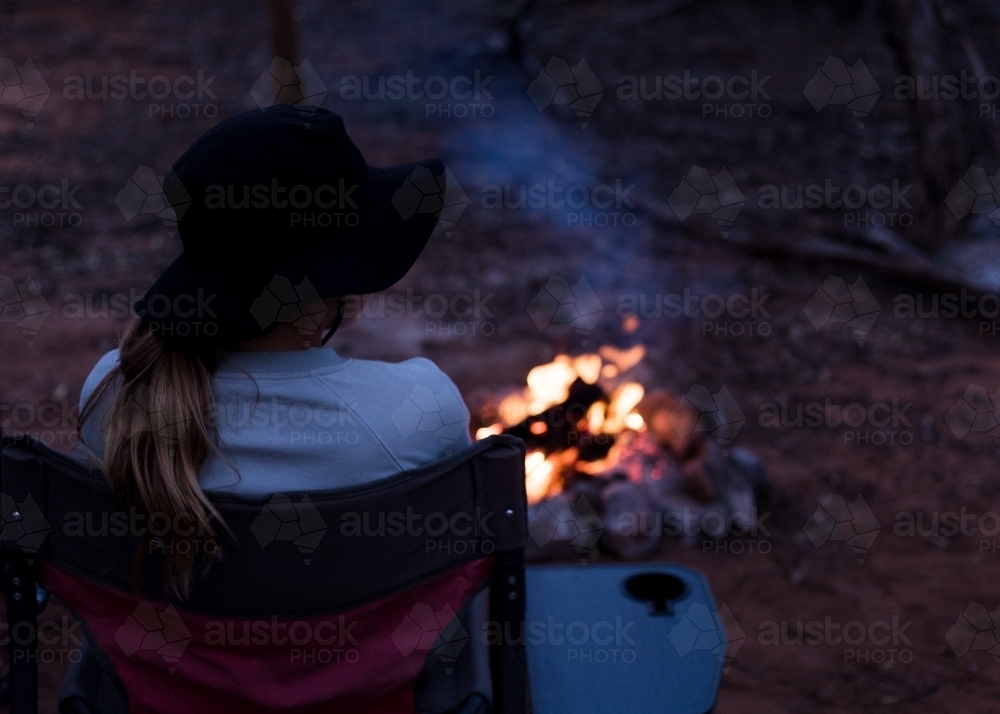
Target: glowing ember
point(599, 427)
point(549, 384)
point(543, 474)
point(488, 431)
point(624, 360)
point(539, 428)
point(588, 367)
point(625, 399)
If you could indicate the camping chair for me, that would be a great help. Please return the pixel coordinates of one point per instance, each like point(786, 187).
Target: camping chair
point(348, 600)
point(365, 604)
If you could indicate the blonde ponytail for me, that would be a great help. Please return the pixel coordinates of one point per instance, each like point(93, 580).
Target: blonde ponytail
point(158, 433)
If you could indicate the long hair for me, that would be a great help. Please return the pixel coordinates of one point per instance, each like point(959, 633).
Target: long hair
point(158, 432)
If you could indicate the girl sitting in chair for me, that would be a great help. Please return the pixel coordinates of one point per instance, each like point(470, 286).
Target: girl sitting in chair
point(223, 382)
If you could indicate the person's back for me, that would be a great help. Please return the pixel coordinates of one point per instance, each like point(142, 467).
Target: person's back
point(299, 420)
point(222, 382)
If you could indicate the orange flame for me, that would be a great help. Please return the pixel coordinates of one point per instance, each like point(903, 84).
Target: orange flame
point(548, 386)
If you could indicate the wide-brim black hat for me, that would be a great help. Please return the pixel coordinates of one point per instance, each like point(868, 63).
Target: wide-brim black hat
point(277, 209)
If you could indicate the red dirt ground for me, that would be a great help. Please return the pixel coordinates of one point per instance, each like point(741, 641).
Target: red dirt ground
point(928, 363)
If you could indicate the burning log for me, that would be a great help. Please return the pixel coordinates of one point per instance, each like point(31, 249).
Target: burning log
point(609, 464)
point(565, 425)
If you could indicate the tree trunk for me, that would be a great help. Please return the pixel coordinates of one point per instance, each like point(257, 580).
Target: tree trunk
point(916, 35)
point(280, 13)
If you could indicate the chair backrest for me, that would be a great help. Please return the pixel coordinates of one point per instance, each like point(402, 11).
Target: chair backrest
point(381, 570)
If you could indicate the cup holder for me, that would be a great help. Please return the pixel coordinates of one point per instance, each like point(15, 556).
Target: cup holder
point(656, 589)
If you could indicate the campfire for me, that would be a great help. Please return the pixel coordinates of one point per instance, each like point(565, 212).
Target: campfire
point(609, 460)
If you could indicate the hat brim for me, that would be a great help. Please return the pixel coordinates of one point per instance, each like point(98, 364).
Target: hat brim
point(370, 250)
